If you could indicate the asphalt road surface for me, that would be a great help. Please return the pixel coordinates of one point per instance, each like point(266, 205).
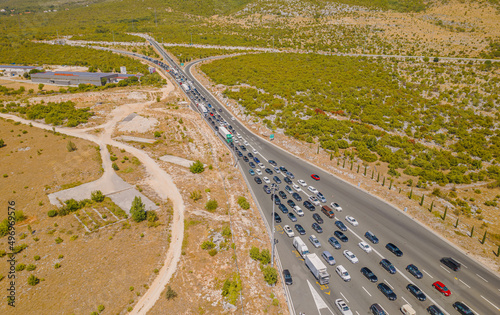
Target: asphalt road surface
point(475, 285)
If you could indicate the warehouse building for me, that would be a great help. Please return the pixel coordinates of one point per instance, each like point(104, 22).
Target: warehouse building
point(75, 78)
point(12, 70)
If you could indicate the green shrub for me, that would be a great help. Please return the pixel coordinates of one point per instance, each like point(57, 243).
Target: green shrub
point(32, 280)
point(19, 248)
point(97, 196)
point(170, 294)
point(212, 252)
point(244, 204)
point(197, 167)
point(211, 205)
point(265, 257)
point(207, 245)
point(270, 275)
point(19, 216)
point(115, 167)
point(20, 267)
point(57, 266)
point(37, 257)
point(226, 231)
point(30, 267)
point(195, 195)
point(138, 210)
point(2, 253)
point(157, 134)
point(71, 146)
point(231, 288)
point(100, 308)
point(490, 203)
point(255, 253)
point(59, 240)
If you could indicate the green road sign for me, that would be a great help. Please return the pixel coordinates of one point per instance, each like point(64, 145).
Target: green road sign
point(182, 63)
point(271, 136)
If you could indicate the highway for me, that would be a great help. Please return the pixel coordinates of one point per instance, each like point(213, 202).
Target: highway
point(475, 285)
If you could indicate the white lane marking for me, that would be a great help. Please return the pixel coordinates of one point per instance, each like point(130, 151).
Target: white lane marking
point(464, 283)
point(482, 278)
point(263, 156)
point(427, 274)
point(344, 297)
point(320, 303)
point(490, 302)
point(357, 312)
point(461, 263)
point(366, 291)
point(472, 309)
point(389, 284)
point(405, 300)
point(445, 269)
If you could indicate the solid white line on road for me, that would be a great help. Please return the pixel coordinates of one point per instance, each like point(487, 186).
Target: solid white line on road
point(263, 156)
point(389, 284)
point(461, 263)
point(366, 291)
point(344, 297)
point(482, 278)
point(445, 269)
point(405, 300)
point(427, 273)
point(464, 283)
point(490, 303)
point(357, 312)
point(472, 309)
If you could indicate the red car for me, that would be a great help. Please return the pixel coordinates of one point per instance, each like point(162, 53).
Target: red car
point(211, 114)
point(441, 288)
point(315, 177)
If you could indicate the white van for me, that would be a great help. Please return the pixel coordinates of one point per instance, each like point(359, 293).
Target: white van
point(408, 310)
point(342, 272)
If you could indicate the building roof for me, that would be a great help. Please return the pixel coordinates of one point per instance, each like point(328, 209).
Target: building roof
point(19, 67)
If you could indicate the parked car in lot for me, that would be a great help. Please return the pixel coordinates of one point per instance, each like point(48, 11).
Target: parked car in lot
point(282, 194)
point(258, 180)
point(371, 237)
point(341, 236)
point(297, 197)
point(328, 258)
point(336, 206)
point(434, 310)
point(384, 288)
point(268, 171)
point(289, 174)
point(251, 172)
point(318, 218)
point(283, 208)
point(298, 211)
point(272, 162)
point(283, 169)
point(369, 274)
point(321, 197)
point(292, 217)
point(365, 247)
point(416, 292)
point(266, 189)
point(287, 180)
point(261, 165)
point(414, 271)
point(258, 171)
point(266, 180)
point(328, 212)
point(394, 249)
point(276, 169)
point(288, 231)
point(387, 265)
point(376, 309)
point(317, 227)
point(341, 225)
point(438, 285)
point(277, 179)
point(333, 241)
point(277, 218)
point(314, 240)
point(290, 203)
point(300, 229)
point(351, 220)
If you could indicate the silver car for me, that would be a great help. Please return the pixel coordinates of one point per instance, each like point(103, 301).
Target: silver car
point(328, 258)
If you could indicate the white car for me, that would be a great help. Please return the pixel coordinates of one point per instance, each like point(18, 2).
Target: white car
point(258, 171)
point(312, 189)
point(350, 256)
point(277, 170)
point(302, 183)
point(261, 165)
point(255, 151)
point(299, 211)
point(351, 220)
point(239, 136)
point(232, 118)
point(296, 187)
point(364, 246)
point(314, 200)
point(288, 230)
point(245, 142)
point(342, 306)
point(336, 206)
point(314, 240)
point(266, 180)
point(236, 141)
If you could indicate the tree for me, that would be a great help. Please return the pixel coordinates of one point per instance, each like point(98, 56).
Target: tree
point(2, 143)
point(138, 210)
point(32, 280)
point(270, 274)
point(170, 294)
point(211, 205)
point(97, 196)
point(436, 59)
point(197, 167)
point(71, 146)
point(19, 216)
point(40, 86)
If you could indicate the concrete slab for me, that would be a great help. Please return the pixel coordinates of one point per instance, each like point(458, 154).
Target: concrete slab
point(136, 139)
point(177, 160)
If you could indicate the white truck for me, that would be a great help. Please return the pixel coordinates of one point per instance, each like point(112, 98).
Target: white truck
point(317, 268)
point(300, 246)
point(203, 109)
point(226, 134)
point(185, 86)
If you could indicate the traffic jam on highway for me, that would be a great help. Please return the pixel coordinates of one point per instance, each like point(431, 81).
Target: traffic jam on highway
point(294, 201)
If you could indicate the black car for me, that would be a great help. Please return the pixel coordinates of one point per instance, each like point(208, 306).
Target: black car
point(252, 164)
point(272, 162)
point(274, 196)
point(291, 203)
point(245, 158)
point(318, 218)
point(384, 288)
point(340, 236)
point(288, 277)
point(416, 292)
point(269, 171)
point(462, 308)
point(369, 274)
point(377, 309)
point(220, 110)
point(414, 271)
point(258, 180)
point(317, 227)
point(333, 241)
point(300, 229)
point(277, 218)
point(371, 237)
point(283, 208)
point(266, 189)
point(250, 155)
point(450, 263)
point(296, 196)
point(394, 249)
point(341, 225)
point(309, 205)
point(283, 169)
point(434, 310)
point(387, 265)
point(217, 129)
point(287, 180)
point(243, 148)
point(277, 179)
point(282, 194)
point(239, 153)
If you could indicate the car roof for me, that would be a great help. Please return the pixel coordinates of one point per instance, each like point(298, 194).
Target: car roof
point(327, 253)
